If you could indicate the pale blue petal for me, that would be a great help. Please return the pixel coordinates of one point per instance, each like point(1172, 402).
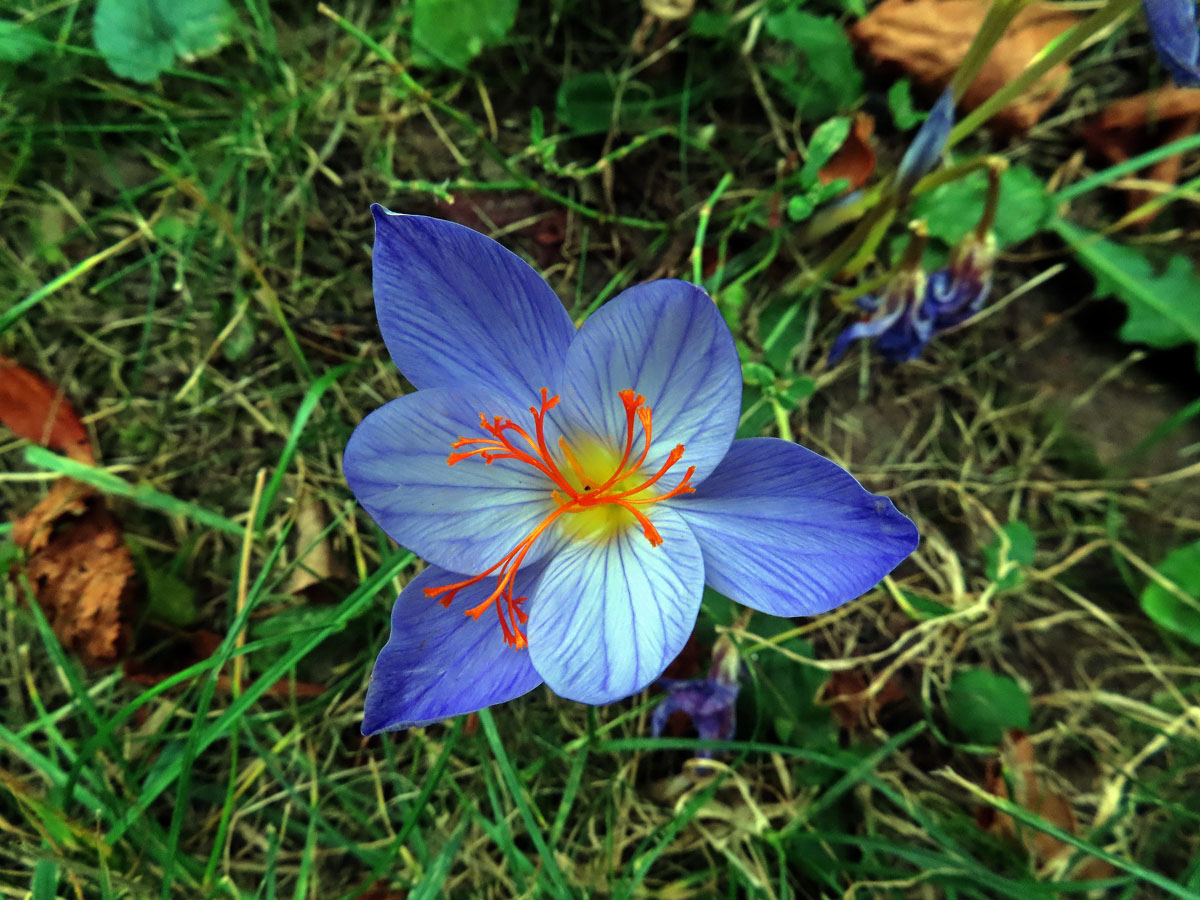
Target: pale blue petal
point(666, 341)
point(456, 307)
point(439, 662)
point(608, 616)
point(462, 517)
point(1173, 31)
point(926, 148)
point(790, 533)
point(866, 329)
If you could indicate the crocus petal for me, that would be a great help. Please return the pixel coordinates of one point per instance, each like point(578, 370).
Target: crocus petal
point(790, 533)
point(1173, 31)
point(859, 330)
point(608, 616)
point(456, 307)
point(439, 662)
point(666, 341)
point(905, 340)
point(926, 149)
point(463, 517)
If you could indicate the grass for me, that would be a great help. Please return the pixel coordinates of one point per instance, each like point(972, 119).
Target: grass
point(190, 261)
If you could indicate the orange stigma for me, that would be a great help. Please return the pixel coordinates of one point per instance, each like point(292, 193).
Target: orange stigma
point(576, 495)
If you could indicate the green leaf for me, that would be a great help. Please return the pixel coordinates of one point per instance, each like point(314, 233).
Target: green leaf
point(585, 103)
point(954, 209)
point(983, 705)
point(825, 141)
point(801, 207)
point(823, 80)
point(168, 598)
point(451, 33)
point(140, 39)
point(1163, 310)
point(757, 374)
point(787, 690)
point(18, 43)
point(900, 103)
point(1016, 546)
point(920, 607)
point(1182, 566)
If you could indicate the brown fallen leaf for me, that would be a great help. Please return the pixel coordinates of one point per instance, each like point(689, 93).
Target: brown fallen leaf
point(1134, 125)
point(39, 411)
point(79, 569)
point(855, 159)
point(929, 38)
point(845, 692)
point(315, 563)
point(1047, 852)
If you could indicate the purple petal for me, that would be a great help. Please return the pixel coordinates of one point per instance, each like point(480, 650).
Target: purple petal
point(790, 533)
point(926, 149)
point(439, 662)
point(463, 517)
point(609, 615)
point(906, 338)
point(1173, 31)
point(859, 330)
point(456, 307)
point(666, 341)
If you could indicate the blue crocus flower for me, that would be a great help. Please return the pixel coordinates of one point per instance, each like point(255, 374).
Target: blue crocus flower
point(574, 490)
point(1176, 38)
point(927, 146)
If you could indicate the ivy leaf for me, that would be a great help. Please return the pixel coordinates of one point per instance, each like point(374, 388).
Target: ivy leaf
point(824, 79)
point(1182, 566)
point(140, 39)
point(984, 705)
point(451, 33)
point(585, 103)
point(1163, 311)
point(954, 209)
point(1020, 547)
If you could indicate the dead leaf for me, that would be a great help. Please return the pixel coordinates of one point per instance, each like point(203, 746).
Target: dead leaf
point(1134, 125)
point(39, 411)
point(929, 38)
point(845, 692)
point(1047, 852)
point(79, 569)
point(855, 159)
point(315, 563)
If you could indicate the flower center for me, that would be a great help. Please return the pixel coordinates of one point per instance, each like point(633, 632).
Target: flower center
point(587, 504)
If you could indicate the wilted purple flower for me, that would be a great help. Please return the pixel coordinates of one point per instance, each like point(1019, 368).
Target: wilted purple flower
point(900, 322)
point(584, 525)
point(1176, 38)
point(711, 703)
point(927, 146)
point(957, 292)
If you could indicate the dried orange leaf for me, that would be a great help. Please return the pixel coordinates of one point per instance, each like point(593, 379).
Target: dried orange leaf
point(846, 694)
point(1134, 125)
point(1018, 770)
point(38, 411)
point(855, 159)
point(80, 569)
point(929, 38)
